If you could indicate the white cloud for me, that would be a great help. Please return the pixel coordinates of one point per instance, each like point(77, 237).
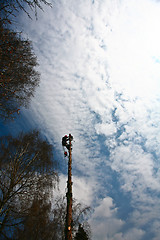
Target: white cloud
point(105, 223)
point(105, 209)
point(135, 166)
point(106, 129)
point(131, 234)
point(132, 46)
point(134, 234)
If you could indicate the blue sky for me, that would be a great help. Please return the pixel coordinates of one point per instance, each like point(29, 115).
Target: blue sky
point(100, 80)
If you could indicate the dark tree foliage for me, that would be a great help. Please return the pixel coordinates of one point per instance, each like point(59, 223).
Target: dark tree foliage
point(81, 234)
point(9, 8)
point(18, 77)
point(46, 222)
point(37, 224)
point(26, 175)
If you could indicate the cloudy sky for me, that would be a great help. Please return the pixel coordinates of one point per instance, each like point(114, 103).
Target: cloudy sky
point(100, 81)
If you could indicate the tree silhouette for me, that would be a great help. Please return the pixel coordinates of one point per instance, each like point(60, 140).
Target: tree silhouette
point(37, 224)
point(18, 77)
point(9, 8)
point(81, 234)
point(26, 175)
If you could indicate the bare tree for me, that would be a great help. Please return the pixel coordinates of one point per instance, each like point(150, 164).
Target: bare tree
point(9, 8)
point(26, 174)
point(18, 77)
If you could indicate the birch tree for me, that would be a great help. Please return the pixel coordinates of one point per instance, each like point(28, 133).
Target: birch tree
point(26, 174)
